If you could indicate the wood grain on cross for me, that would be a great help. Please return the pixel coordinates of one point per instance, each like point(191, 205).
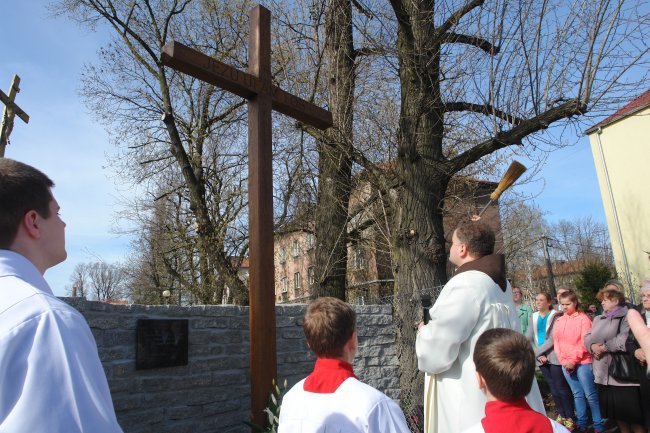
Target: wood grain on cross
point(263, 97)
point(10, 110)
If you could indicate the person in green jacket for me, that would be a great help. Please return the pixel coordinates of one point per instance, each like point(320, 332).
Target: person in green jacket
point(523, 310)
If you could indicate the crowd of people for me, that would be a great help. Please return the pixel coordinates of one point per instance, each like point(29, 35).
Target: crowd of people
point(479, 366)
point(590, 360)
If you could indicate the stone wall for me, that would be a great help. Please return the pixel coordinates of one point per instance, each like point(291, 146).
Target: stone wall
point(212, 393)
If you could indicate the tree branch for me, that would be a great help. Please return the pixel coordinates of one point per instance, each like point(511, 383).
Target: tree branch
point(486, 109)
point(518, 133)
point(456, 16)
point(370, 51)
point(453, 38)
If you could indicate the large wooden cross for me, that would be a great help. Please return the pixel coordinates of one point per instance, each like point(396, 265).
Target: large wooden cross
point(10, 110)
point(263, 97)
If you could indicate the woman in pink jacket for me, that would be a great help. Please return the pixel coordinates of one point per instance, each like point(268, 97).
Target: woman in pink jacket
point(568, 335)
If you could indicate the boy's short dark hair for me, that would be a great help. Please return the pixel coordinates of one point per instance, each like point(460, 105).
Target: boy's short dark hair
point(478, 237)
point(329, 324)
point(506, 361)
point(22, 189)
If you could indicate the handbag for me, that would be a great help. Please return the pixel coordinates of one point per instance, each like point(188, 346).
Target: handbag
point(622, 365)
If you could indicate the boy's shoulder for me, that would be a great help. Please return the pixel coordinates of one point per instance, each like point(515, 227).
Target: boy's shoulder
point(555, 426)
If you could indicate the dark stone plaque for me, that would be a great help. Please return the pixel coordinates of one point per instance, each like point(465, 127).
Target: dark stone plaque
point(161, 343)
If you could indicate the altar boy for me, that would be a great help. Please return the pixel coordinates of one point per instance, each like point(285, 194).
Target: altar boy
point(331, 398)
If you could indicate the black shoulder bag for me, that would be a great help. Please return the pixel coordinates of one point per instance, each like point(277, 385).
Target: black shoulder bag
point(622, 366)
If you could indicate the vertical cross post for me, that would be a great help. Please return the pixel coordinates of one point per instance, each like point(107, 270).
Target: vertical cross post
point(263, 97)
point(263, 360)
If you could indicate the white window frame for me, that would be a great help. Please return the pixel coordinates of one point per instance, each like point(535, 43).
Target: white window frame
point(310, 241)
point(310, 276)
point(295, 249)
point(359, 258)
point(297, 282)
point(285, 285)
point(283, 255)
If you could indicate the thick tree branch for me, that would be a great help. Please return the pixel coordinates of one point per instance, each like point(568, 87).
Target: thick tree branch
point(362, 9)
point(402, 18)
point(517, 134)
point(456, 16)
point(486, 109)
point(453, 38)
point(370, 51)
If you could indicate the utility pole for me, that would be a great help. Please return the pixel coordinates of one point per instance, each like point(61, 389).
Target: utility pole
point(10, 110)
point(549, 266)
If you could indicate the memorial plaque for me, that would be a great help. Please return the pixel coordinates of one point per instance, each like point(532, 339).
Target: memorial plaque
point(161, 343)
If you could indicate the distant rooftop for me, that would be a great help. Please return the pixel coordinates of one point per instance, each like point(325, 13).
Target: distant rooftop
point(639, 103)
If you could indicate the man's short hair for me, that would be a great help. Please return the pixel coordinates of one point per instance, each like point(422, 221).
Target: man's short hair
point(506, 361)
point(329, 323)
point(22, 189)
point(478, 237)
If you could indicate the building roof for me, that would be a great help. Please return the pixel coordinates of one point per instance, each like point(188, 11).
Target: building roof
point(640, 102)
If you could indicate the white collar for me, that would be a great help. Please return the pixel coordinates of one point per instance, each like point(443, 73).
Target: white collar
point(13, 264)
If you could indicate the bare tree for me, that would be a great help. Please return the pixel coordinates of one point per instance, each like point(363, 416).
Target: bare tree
point(100, 281)
point(200, 129)
point(106, 280)
point(79, 281)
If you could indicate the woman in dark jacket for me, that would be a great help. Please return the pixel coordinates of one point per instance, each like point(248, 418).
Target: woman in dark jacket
point(619, 400)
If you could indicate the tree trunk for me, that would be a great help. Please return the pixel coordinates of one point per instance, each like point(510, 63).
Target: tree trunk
point(422, 176)
point(335, 160)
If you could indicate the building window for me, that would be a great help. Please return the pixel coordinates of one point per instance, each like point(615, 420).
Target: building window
point(296, 248)
point(296, 281)
point(310, 275)
point(310, 241)
point(359, 259)
point(283, 255)
point(285, 285)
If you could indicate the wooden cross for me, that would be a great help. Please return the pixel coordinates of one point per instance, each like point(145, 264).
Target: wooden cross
point(10, 110)
point(263, 97)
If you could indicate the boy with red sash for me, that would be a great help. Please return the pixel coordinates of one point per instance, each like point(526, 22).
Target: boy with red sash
point(505, 370)
point(331, 398)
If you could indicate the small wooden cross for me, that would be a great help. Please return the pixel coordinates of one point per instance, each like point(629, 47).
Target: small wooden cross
point(263, 97)
point(10, 110)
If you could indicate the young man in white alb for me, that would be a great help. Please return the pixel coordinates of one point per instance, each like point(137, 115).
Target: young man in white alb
point(51, 378)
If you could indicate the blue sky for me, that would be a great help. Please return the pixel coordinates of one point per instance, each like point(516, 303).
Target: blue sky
point(63, 140)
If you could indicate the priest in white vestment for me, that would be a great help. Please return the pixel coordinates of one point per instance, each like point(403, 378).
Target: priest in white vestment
point(477, 298)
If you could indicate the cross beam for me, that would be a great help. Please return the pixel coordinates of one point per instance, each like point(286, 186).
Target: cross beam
point(10, 110)
point(263, 97)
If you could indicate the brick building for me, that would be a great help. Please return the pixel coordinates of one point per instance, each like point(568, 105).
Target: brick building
point(369, 270)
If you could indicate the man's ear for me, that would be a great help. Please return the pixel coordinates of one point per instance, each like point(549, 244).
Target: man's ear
point(30, 223)
point(463, 252)
point(353, 342)
point(481, 382)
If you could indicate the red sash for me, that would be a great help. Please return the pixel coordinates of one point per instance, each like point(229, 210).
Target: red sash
point(501, 417)
point(327, 376)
